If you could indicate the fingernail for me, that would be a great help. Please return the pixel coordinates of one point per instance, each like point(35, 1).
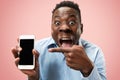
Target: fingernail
point(50, 50)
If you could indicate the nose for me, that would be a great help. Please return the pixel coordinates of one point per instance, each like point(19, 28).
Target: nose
point(65, 28)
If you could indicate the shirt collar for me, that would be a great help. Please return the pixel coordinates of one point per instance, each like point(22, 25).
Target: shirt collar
point(80, 42)
point(52, 43)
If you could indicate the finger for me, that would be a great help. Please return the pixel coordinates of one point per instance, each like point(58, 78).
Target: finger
point(59, 49)
point(36, 59)
point(36, 54)
point(17, 61)
point(71, 64)
point(69, 55)
point(15, 52)
point(70, 60)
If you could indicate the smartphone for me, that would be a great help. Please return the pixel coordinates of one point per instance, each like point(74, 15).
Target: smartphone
point(27, 59)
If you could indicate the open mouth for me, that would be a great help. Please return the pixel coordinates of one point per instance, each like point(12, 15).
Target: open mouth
point(66, 42)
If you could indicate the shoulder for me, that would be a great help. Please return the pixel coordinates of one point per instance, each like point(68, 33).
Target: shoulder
point(88, 45)
point(93, 51)
point(43, 42)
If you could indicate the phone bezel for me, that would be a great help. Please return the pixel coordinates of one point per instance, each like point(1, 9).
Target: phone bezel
point(27, 66)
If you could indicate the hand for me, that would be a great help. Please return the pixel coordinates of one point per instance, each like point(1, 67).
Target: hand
point(32, 74)
point(76, 58)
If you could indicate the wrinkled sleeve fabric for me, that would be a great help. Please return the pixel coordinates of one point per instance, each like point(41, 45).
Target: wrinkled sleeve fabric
point(99, 71)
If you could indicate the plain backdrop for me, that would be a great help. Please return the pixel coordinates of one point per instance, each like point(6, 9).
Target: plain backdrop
point(101, 20)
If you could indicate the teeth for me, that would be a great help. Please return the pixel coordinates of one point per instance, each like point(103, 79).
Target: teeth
point(65, 39)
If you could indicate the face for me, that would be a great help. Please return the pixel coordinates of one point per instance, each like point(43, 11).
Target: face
point(66, 27)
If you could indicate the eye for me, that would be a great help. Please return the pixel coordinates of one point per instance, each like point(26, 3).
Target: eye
point(57, 23)
point(71, 23)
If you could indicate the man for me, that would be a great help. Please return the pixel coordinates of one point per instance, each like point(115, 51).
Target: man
point(65, 56)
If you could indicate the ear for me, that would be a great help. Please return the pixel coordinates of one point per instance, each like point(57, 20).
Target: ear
point(81, 28)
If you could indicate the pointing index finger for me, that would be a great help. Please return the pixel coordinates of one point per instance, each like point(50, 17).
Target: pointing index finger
point(59, 49)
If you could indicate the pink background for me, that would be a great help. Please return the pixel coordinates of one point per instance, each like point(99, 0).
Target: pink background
point(101, 19)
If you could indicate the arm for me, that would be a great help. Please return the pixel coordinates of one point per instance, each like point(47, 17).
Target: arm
point(99, 71)
point(76, 58)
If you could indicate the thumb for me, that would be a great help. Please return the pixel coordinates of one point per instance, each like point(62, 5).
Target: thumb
point(36, 54)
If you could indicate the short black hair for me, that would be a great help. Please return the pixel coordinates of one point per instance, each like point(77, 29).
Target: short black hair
point(70, 4)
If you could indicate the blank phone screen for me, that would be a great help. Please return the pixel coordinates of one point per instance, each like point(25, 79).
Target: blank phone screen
point(26, 56)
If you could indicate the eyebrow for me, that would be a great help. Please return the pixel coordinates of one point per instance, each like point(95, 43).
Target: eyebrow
point(56, 16)
point(71, 15)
